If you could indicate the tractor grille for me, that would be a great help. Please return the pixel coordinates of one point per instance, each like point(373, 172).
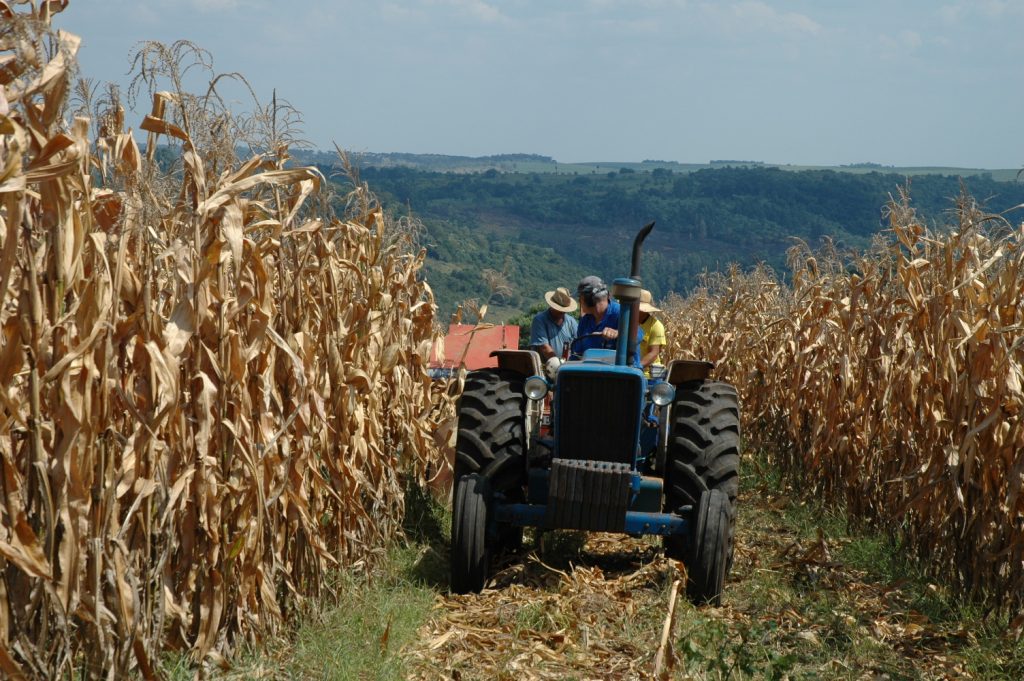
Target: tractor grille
point(598, 416)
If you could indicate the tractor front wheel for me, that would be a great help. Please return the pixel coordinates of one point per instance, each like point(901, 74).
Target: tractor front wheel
point(492, 428)
point(703, 451)
point(470, 552)
point(709, 549)
point(492, 439)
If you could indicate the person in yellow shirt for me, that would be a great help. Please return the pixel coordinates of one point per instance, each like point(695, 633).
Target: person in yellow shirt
point(654, 340)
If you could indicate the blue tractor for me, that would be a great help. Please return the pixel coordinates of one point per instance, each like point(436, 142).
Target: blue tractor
point(624, 454)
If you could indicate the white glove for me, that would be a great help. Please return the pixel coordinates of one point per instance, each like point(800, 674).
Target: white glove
point(551, 367)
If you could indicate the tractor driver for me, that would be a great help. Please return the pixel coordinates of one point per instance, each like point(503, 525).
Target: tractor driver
point(599, 315)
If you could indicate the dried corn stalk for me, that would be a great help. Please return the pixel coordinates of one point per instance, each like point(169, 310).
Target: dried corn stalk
point(211, 387)
point(891, 383)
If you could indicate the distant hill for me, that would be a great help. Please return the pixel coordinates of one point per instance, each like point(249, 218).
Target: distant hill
point(535, 163)
point(434, 162)
point(543, 230)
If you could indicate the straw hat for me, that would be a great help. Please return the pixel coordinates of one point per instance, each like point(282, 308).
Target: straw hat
point(560, 300)
point(646, 302)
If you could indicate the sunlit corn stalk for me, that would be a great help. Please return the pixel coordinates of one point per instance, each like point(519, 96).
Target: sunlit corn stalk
point(890, 382)
point(213, 389)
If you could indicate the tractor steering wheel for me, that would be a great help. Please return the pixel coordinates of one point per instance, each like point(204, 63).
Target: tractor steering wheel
point(572, 346)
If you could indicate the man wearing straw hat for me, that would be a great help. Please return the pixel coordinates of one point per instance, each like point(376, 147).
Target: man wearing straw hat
point(553, 328)
point(653, 340)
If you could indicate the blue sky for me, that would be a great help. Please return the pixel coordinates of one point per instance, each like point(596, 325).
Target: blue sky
point(782, 81)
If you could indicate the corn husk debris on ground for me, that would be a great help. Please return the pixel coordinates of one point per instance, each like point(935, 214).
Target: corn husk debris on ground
point(797, 604)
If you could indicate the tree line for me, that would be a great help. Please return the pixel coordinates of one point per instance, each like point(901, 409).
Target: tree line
point(540, 230)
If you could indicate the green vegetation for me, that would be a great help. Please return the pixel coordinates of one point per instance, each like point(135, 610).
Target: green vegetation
point(360, 630)
point(543, 230)
point(377, 617)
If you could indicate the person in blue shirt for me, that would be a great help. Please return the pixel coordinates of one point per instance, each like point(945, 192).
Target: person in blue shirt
point(600, 315)
point(552, 329)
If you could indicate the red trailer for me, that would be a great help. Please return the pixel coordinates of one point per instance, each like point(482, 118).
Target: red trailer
point(471, 346)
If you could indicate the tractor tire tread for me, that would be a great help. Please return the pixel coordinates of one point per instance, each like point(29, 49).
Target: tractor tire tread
point(703, 451)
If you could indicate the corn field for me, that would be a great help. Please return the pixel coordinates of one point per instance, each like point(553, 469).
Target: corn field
point(213, 388)
point(891, 383)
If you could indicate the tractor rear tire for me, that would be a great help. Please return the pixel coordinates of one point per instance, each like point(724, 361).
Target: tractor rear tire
point(491, 440)
point(709, 548)
point(703, 452)
point(471, 555)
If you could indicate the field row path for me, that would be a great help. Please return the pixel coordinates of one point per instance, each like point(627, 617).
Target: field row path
point(804, 600)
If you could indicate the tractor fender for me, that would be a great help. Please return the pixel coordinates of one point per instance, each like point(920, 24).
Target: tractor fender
point(524, 362)
point(685, 370)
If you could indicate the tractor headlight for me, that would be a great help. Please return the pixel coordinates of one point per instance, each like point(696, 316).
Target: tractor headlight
point(662, 393)
point(536, 387)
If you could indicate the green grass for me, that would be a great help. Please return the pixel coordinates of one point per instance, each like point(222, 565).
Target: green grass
point(828, 617)
point(359, 631)
point(375, 615)
point(987, 650)
point(374, 618)
point(357, 634)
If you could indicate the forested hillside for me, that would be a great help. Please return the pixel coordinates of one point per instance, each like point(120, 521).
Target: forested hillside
point(543, 229)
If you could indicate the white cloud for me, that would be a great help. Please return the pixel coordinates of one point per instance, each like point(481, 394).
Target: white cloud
point(215, 5)
point(911, 39)
point(767, 17)
point(951, 14)
point(476, 10)
point(998, 8)
point(902, 43)
point(397, 12)
point(647, 4)
point(991, 9)
point(758, 16)
point(633, 26)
